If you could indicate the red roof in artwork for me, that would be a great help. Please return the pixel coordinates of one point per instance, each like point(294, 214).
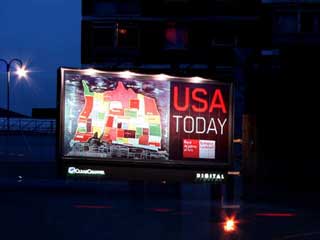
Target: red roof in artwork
point(120, 94)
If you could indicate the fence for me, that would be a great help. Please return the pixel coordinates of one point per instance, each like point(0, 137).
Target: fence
point(28, 125)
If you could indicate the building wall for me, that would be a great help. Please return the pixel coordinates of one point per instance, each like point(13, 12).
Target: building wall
point(284, 94)
point(184, 34)
point(266, 48)
point(214, 39)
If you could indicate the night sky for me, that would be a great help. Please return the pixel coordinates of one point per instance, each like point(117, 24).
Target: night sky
point(45, 34)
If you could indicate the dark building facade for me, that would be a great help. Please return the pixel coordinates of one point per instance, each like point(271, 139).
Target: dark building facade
point(174, 36)
point(266, 48)
point(204, 38)
point(282, 95)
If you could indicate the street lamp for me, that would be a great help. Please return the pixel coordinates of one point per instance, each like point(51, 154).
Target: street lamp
point(20, 71)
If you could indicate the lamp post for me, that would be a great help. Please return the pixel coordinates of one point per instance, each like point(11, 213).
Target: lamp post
point(20, 71)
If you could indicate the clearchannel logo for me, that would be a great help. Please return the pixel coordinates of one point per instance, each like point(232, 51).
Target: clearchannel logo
point(77, 171)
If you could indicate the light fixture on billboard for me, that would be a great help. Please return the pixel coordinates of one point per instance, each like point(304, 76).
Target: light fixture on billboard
point(91, 72)
point(161, 77)
point(126, 74)
point(197, 79)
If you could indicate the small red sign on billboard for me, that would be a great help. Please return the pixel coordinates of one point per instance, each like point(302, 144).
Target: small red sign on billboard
point(190, 148)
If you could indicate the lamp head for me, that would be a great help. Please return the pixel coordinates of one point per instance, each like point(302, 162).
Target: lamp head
point(22, 72)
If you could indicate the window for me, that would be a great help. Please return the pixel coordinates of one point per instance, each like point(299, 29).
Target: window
point(176, 37)
point(176, 1)
point(317, 23)
point(105, 7)
point(116, 7)
point(128, 7)
point(110, 40)
point(223, 40)
point(104, 37)
point(128, 37)
point(307, 22)
point(286, 23)
point(116, 36)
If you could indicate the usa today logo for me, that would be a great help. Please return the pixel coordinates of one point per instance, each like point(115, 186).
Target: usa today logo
point(77, 171)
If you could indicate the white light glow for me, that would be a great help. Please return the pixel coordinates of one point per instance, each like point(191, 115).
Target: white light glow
point(161, 77)
point(196, 79)
point(90, 72)
point(126, 74)
point(22, 72)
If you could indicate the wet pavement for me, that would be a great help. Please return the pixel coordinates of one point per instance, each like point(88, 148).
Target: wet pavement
point(36, 204)
point(59, 209)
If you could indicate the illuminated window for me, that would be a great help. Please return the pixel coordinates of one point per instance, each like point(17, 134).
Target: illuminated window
point(176, 37)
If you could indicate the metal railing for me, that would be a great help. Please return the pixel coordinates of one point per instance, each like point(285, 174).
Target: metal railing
point(29, 125)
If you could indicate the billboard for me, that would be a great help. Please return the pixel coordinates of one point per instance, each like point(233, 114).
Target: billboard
point(142, 118)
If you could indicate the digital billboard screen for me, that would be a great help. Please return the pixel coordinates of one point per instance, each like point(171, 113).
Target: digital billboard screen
point(143, 118)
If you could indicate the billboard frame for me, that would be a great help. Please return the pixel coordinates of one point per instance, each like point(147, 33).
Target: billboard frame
point(63, 161)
